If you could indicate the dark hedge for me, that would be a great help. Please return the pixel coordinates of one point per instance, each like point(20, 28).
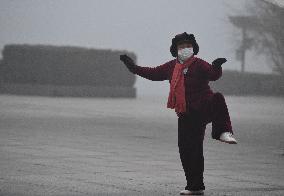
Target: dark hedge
point(237, 83)
point(54, 70)
point(58, 65)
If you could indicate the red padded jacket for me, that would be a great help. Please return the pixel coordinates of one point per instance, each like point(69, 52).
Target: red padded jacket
point(196, 78)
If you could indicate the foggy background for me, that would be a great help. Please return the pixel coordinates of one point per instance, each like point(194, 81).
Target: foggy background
point(143, 27)
point(61, 145)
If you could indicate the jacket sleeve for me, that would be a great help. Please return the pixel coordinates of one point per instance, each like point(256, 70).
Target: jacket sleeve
point(158, 73)
point(210, 72)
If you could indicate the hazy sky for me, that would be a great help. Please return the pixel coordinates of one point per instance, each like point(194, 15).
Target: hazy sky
point(143, 27)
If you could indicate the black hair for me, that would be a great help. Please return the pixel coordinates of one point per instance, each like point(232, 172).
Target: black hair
point(183, 37)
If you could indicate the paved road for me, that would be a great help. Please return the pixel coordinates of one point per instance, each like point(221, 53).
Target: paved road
point(78, 146)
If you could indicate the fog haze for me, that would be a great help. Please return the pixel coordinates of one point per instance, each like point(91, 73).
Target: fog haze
point(144, 27)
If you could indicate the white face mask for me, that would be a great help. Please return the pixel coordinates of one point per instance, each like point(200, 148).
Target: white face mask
point(184, 54)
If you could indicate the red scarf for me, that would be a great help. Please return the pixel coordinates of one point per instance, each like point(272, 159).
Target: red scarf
point(176, 98)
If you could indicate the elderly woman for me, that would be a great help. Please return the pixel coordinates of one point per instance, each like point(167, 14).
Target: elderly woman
point(194, 102)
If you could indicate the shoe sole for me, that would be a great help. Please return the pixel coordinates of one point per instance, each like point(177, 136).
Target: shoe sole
point(229, 142)
point(192, 194)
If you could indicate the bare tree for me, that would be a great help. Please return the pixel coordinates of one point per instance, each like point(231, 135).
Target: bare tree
point(268, 31)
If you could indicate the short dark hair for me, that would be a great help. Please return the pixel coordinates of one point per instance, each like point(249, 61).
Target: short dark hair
point(183, 37)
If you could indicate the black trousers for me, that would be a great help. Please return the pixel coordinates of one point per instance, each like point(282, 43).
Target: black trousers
point(191, 130)
point(190, 141)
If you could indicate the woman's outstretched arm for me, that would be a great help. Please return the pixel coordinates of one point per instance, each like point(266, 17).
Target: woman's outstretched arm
point(158, 73)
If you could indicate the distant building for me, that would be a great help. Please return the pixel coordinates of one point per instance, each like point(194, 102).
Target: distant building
point(244, 23)
point(254, 23)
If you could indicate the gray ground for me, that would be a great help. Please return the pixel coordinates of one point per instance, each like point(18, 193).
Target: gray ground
point(78, 146)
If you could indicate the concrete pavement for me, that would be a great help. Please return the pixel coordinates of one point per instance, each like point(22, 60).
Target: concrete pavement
point(78, 146)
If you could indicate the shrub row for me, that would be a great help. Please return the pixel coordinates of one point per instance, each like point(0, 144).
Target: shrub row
point(69, 66)
point(237, 83)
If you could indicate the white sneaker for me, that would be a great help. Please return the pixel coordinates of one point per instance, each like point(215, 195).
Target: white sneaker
point(187, 192)
point(227, 137)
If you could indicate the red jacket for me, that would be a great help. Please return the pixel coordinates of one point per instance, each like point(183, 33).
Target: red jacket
point(197, 79)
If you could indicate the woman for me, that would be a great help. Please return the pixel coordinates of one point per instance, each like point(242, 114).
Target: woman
point(194, 102)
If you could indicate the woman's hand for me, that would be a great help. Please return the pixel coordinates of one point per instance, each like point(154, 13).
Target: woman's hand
point(217, 63)
point(128, 62)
